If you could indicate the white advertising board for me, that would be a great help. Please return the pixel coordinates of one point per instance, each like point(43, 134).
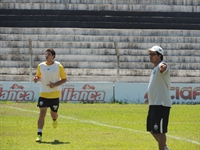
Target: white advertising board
point(130, 92)
point(99, 92)
point(19, 91)
point(71, 91)
point(137, 93)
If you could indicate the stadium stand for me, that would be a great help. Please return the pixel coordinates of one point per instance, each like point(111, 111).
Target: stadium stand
point(83, 33)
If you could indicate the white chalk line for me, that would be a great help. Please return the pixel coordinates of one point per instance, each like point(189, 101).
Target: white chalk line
point(109, 126)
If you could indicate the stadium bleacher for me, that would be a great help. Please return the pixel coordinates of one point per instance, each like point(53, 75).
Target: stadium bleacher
point(83, 33)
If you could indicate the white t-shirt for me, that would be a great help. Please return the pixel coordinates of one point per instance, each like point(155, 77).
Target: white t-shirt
point(49, 74)
point(159, 87)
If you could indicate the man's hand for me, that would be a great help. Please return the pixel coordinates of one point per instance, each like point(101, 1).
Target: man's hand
point(36, 79)
point(51, 85)
point(163, 67)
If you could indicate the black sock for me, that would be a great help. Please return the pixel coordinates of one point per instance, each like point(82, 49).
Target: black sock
point(39, 133)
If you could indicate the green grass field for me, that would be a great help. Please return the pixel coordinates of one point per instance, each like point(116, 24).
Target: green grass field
point(96, 127)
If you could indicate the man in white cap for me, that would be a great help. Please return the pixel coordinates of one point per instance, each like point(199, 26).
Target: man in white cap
point(159, 97)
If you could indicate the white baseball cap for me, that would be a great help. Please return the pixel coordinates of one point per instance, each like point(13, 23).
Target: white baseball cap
point(156, 49)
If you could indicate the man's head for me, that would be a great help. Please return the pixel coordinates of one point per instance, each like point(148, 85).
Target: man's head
point(156, 54)
point(50, 53)
point(156, 49)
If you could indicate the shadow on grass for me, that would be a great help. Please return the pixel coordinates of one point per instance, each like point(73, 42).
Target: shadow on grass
point(55, 142)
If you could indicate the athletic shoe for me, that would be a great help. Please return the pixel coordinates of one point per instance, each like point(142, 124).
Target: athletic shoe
point(55, 123)
point(39, 138)
point(166, 148)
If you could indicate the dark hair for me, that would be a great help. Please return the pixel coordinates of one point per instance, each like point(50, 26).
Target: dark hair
point(160, 54)
point(52, 51)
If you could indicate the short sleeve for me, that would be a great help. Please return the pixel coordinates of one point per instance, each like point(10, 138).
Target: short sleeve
point(62, 72)
point(38, 73)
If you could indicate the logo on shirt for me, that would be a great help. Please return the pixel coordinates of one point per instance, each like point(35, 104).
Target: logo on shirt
point(48, 68)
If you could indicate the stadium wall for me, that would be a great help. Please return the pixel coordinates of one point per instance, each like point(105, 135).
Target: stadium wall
point(99, 92)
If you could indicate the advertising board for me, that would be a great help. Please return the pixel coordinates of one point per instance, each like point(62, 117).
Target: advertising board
point(19, 91)
point(137, 93)
point(71, 91)
point(99, 92)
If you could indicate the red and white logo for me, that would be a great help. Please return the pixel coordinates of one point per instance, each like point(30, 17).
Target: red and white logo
point(16, 86)
point(86, 94)
point(87, 87)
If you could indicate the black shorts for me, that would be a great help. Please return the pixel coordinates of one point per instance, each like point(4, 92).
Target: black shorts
point(52, 103)
point(157, 119)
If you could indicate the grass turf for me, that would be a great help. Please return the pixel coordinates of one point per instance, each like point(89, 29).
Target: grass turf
point(96, 127)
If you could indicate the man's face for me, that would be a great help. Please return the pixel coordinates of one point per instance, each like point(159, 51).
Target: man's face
point(154, 57)
point(49, 56)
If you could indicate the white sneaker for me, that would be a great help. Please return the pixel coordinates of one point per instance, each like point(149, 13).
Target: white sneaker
point(166, 148)
point(39, 138)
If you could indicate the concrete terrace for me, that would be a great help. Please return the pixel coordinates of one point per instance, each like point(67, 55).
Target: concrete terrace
point(85, 43)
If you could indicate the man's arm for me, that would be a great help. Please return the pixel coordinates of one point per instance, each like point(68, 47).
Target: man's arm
point(36, 78)
point(52, 85)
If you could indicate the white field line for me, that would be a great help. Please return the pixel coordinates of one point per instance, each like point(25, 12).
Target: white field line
point(109, 126)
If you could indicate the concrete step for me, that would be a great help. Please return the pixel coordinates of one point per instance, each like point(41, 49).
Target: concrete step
point(97, 45)
point(147, 65)
point(155, 19)
point(143, 79)
point(59, 14)
point(75, 64)
point(168, 59)
point(67, 58)
point(108, 25)
point(134, 79)
point(102, 72)
point(99, 38)
point(99, 19)
point(99, 58)
point(63, 51)
point(100, 32)
point(100, 16)
point(105, 7)
point(103, 65)
point(156, 2)
point(86, 51)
